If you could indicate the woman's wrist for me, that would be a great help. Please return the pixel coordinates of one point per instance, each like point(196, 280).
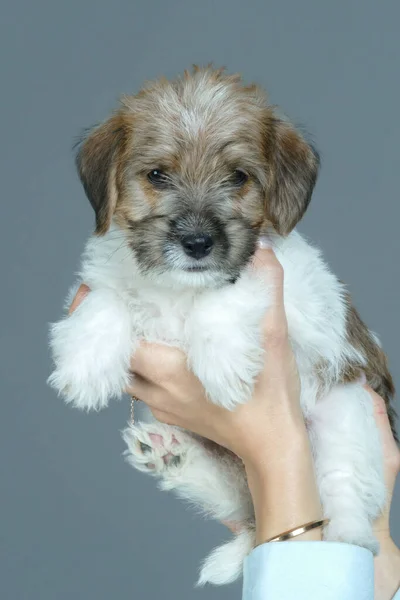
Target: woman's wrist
point(387, 569)
point(269, 455)
point(284, 489)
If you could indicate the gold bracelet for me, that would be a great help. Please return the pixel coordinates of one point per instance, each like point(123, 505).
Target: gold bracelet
point(291, 533)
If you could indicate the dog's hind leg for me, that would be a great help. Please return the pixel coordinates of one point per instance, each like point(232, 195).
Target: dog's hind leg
point(202, 473)
point(206, 475)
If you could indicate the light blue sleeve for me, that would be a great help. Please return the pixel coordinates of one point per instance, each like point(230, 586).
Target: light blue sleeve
point(307, 571)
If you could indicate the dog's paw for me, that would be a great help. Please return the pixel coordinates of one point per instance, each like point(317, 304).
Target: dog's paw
point(86, 376)
point(91, 351)
point(157, 448)
point(229, 391)
point(351, 530)
point(228, 379)
point(224, 340)
point(88, 391)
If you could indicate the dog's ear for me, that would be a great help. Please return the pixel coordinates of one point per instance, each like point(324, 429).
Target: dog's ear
point(98, 161)
point(293, 170)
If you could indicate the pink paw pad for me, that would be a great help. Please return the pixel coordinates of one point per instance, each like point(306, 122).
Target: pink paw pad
point(158, 443)
point(157, 439)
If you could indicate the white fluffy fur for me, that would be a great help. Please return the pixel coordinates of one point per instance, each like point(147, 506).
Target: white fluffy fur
point(220, 331)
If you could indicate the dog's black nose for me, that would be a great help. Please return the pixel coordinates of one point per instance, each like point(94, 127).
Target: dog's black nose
point(197, 245)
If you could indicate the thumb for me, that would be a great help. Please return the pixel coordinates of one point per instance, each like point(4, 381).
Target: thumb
point(270, 269)
point(266, 263)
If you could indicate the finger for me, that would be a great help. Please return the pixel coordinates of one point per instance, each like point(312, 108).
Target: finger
point(391, 462)
point(158, 362)
point(267, 264)
point(79, 297)
point(164, 417)
point(391, 451)
point(145, 391)
point(274, 325)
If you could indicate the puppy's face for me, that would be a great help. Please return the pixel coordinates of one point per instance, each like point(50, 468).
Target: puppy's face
point(194, 171)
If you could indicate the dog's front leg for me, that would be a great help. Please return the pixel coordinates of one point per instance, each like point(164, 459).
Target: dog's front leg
point(224, 345)
point(349, 464)
point(91, 350)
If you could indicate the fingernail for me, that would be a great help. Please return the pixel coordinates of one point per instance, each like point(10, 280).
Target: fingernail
point(264, 243)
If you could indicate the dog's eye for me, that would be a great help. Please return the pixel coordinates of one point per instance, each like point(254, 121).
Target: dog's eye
point(158, 178)
point(239, 178)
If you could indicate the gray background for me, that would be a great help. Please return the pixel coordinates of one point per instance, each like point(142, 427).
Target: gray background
point(76, 521)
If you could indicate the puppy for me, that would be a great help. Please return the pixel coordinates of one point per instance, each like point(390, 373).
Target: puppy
point(183, 178)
